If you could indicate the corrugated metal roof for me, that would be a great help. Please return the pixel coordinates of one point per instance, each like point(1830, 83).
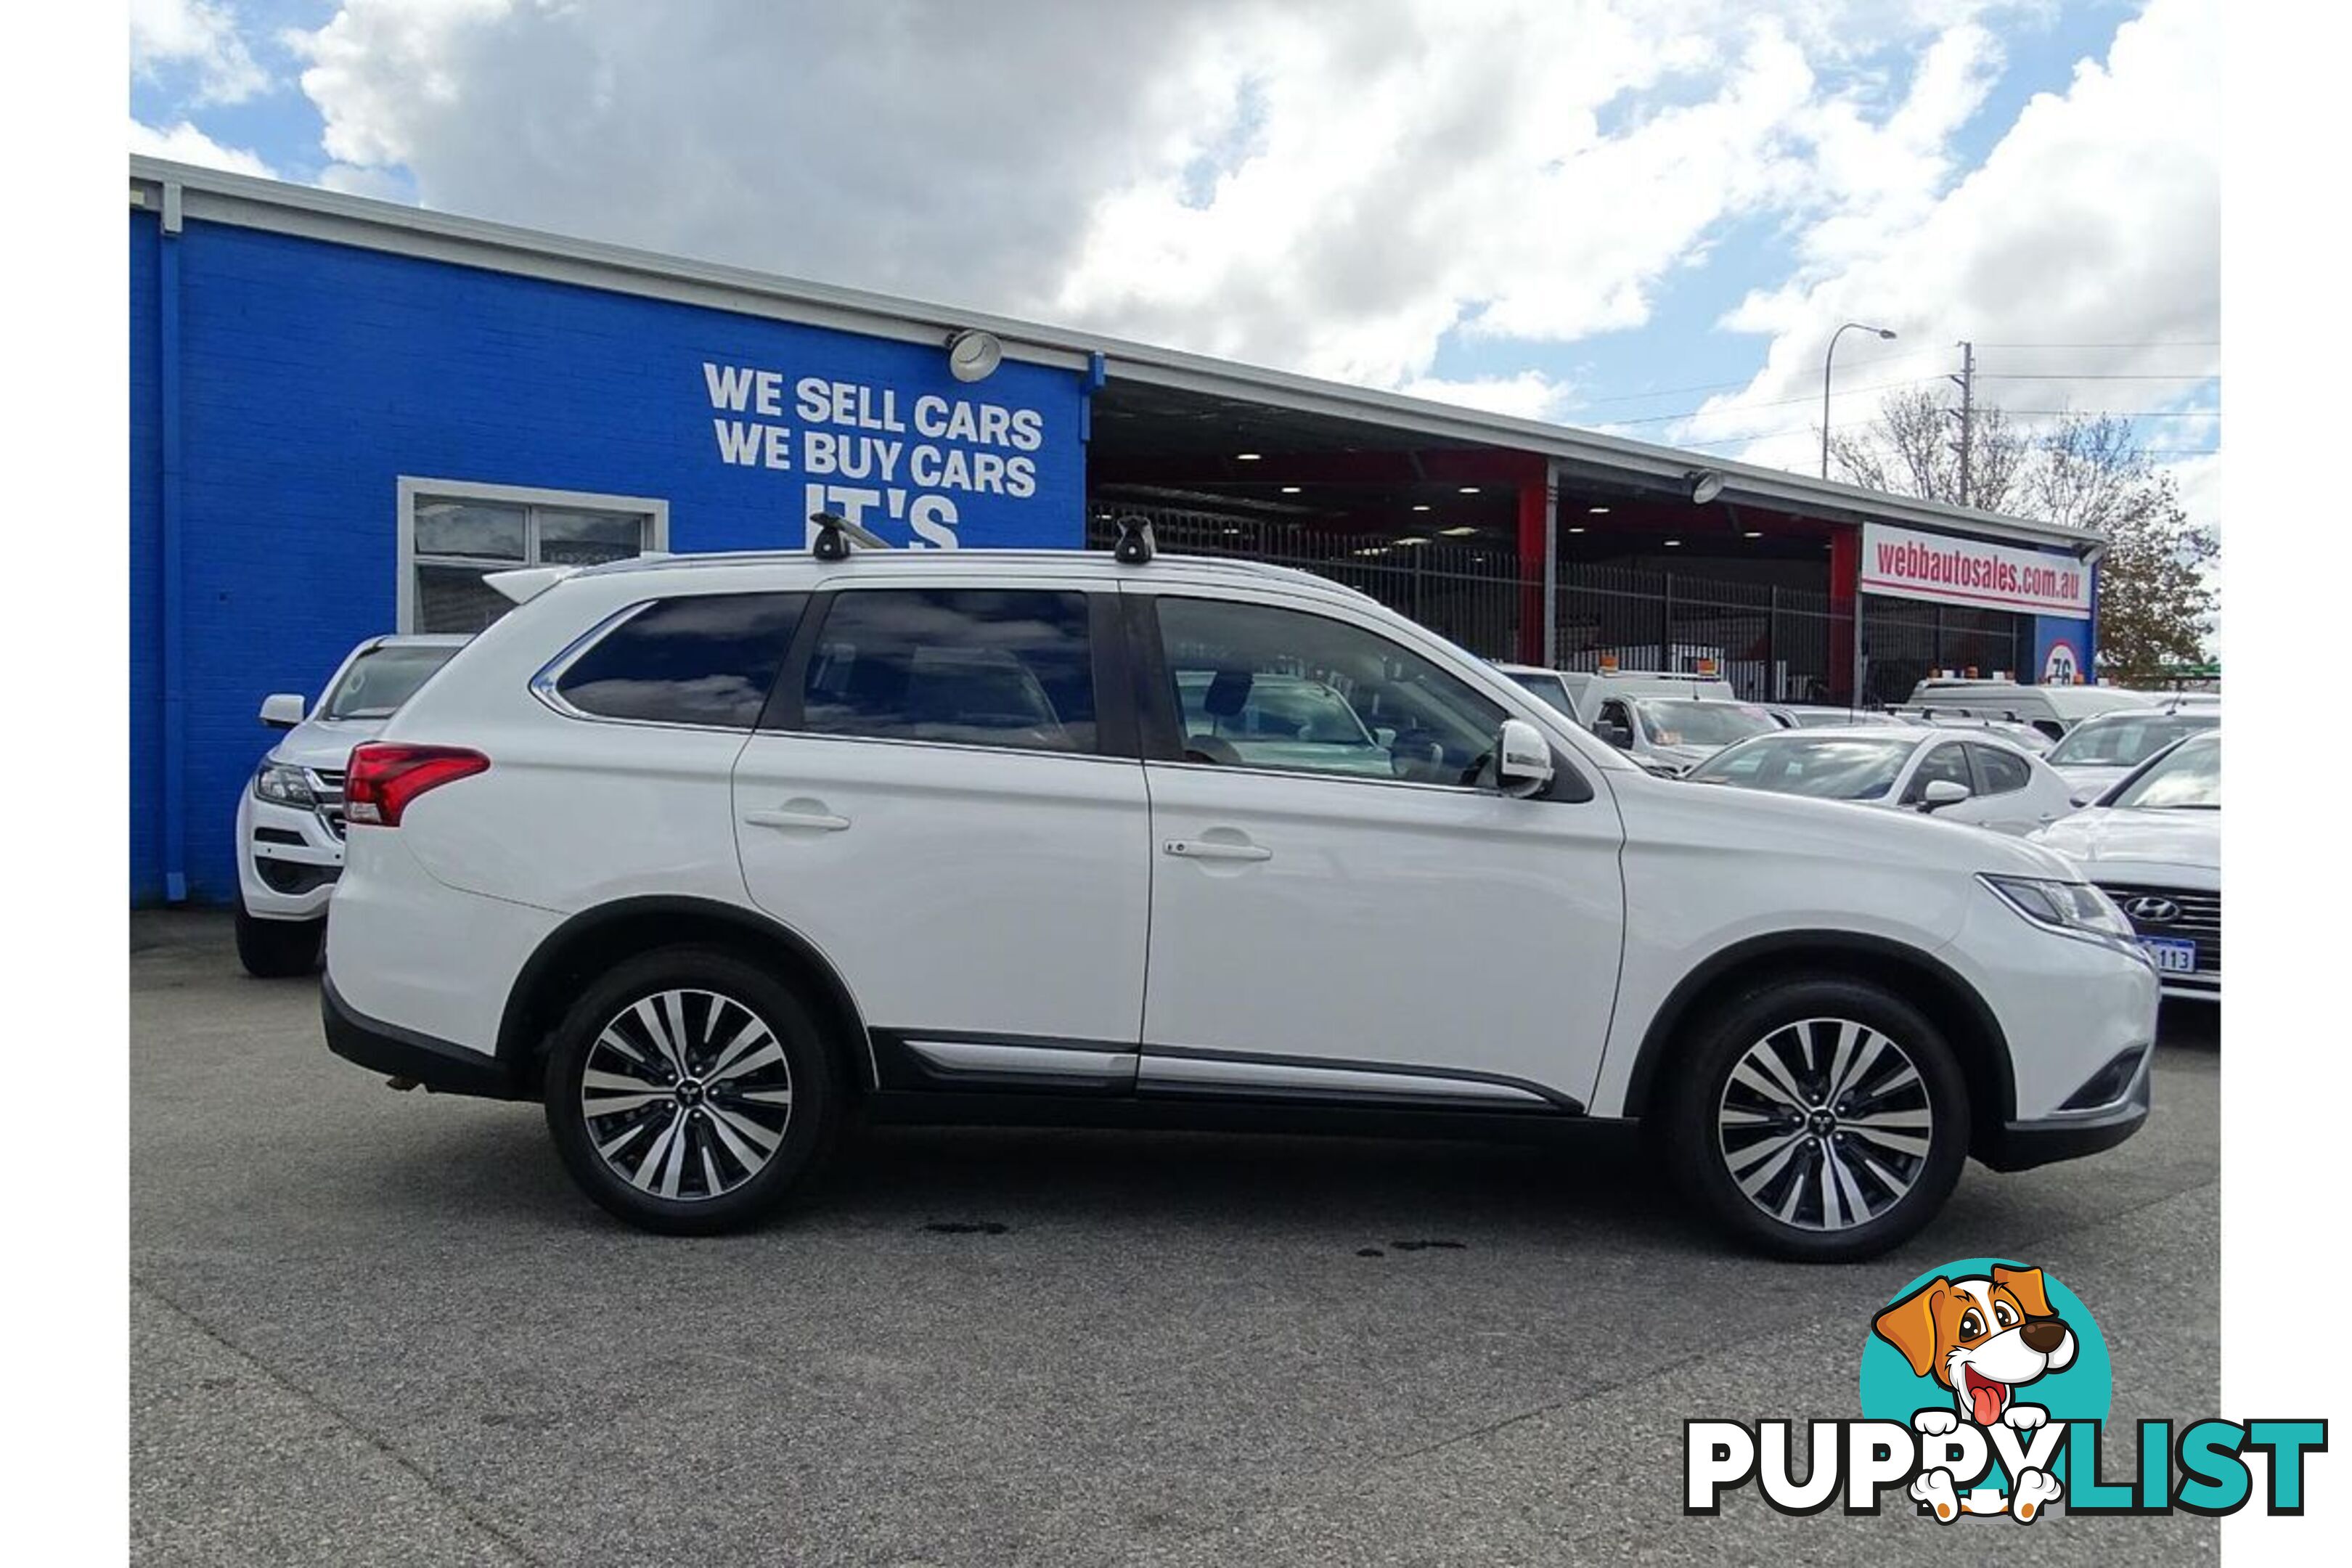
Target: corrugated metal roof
point(211, 195)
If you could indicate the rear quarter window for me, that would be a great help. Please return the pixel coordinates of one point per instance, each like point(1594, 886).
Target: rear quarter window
point(706, 660)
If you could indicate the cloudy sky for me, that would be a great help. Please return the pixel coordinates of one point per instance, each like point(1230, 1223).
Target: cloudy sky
point(1644, 216)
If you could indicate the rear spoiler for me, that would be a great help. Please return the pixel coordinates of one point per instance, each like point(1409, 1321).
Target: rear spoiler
point(525, 584)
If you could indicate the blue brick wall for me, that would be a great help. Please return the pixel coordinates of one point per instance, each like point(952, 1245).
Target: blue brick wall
point(314, 376)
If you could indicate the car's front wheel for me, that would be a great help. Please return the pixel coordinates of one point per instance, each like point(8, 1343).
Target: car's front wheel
point(1822, 1119)
point(690, 1091)
point(276, 950)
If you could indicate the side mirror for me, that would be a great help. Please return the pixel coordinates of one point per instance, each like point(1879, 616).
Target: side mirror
point(283, 710)
point(1384, 736)
point(2081, 797)
point(1522, 758)
point(1617, 734)
point(1941, 792)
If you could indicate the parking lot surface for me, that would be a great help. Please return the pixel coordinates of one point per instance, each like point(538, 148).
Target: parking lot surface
point(373, 1328)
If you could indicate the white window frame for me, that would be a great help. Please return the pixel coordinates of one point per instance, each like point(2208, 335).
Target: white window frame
point(411, 486)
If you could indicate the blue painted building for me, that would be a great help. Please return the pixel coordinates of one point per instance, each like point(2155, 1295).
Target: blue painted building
point(344, 413)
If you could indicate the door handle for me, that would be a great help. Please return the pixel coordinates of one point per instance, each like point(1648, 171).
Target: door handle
point(806, 815)
point(1215, 850)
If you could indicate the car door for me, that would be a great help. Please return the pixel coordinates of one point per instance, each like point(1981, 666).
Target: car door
point(2004, 789)
point(1319, 930)
point(1946, 761)
point(944, 797)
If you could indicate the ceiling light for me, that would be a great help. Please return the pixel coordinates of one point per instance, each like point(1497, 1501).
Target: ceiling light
point(1457, 532)
point(1598, 511)
point(1576, 530)
point(1248, 456)
point(1290, 489)
point(1411, 539)
point(1752, 533)
point(1469, 489)
point(1671, 543)
point(1374, 550)
point(1233, 531)
point(1422, 506)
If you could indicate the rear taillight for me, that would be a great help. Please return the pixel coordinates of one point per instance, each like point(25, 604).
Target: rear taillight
point(385, 776)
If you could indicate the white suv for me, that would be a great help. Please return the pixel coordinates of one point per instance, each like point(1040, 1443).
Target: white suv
point(710, 853)
point(289, 819)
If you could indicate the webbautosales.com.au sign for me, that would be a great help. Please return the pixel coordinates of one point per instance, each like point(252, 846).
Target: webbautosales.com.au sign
point(1912, 564)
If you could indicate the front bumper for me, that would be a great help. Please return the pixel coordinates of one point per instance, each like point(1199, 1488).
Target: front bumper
point(2071, 1134)
point(287, 859)
point(403, 1054)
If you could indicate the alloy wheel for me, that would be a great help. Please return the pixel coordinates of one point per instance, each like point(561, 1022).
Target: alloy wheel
point(1824, 1124)
point(686, 1094)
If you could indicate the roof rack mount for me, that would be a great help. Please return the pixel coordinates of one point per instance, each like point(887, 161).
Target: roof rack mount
point(835, 532)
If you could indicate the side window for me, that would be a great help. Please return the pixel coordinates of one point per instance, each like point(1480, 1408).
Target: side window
point(1998, 772)
point(974, 666)
point(699, 660)
point(1946, 760)
point(1259, 687)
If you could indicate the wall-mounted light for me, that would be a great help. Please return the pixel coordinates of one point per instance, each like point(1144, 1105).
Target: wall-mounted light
point(972, 354)
point(1705, 484)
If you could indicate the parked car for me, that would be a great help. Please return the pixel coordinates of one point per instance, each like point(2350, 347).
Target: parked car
point(2098, 752)
point(289, 819)
point(1579, 693)
point(682, 848)
point(2152, 842)
point(1671, 735)
point(1982, 781)
point(2052, 709)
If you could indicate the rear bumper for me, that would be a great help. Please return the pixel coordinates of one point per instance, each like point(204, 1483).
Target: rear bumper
point(2070, 1135)
point(402, 1053)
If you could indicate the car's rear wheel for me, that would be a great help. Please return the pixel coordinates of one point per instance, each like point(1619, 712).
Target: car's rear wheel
point(276, 950)
point(690, 1091)
point(1822, 1119)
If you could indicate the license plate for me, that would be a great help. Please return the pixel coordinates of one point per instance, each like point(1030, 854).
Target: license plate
point(2172, 956)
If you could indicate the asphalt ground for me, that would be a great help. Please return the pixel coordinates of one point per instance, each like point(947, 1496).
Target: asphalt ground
point(371, 1327)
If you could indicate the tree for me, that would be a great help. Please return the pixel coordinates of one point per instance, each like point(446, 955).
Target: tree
point(2083, 472)
point(1914, 448)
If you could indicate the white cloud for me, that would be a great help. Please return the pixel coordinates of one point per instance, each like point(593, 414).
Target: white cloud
point(200, 36)
point(1338, 186)
point(2094, 221)
point(184, 144)
point(1530, 394)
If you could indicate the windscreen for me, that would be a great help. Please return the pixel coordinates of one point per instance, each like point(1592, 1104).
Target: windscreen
point(380, 681)
point(1829, 767)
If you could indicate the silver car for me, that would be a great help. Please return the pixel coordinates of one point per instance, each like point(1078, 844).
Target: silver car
point(1962, 776)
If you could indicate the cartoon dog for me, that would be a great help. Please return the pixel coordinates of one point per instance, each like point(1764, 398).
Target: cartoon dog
point(1982, 1337)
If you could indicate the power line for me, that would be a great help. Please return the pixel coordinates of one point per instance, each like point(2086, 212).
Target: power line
point(2067, 375)
point(2154, 344)
point(1775, 402)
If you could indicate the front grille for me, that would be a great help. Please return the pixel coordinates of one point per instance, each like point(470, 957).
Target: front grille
point(327, 784)
point(2199, 918)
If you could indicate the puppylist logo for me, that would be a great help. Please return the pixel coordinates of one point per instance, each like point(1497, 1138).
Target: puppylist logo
point(1984, 1391)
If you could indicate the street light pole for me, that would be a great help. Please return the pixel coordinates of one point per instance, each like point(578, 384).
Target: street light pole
point(1828, 360)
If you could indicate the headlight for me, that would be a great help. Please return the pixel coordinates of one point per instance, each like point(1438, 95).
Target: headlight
point(283, 785)
point(2076, 909)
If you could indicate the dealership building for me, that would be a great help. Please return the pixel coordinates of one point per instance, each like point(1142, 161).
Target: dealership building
point(345, 413)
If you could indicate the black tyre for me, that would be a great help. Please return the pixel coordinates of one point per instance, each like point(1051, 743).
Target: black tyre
point(1819, 1119)
point(276, 950)
point(690, 1091)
